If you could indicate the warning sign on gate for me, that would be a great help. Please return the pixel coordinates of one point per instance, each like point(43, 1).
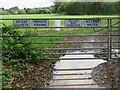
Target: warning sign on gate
point(39, 23)
point(92, 23)
point(73, 23)
point(21, 23)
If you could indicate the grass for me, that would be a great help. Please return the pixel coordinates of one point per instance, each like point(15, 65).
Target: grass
point(54, 16)
point(56, 39)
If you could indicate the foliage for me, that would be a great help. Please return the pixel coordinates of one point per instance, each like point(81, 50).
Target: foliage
point(3, 12)
point(6, 75)
point(21, 12)
point(69, 8)
point(16, 10)
point(17, 50)
point(86, 8)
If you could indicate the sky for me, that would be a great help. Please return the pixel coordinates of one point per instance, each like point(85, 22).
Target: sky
point(36, 3)
point(25, 3)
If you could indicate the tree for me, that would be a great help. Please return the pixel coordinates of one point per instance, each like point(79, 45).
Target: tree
point(97, 8)
point(2, 8)
point(31, 11)
point(44, 11)
point(21, 11)
point(117, 8)
point(4, 12)
point(75, 8)
point(12, 11)
point(15, 8)
point(110, 8)
point(89, 8)
point(56, 6)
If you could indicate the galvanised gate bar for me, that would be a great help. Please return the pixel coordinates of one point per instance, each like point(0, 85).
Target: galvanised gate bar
point(108, 24)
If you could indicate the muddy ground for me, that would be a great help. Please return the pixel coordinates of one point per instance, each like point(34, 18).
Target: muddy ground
point(34, 76)
point(107, 74)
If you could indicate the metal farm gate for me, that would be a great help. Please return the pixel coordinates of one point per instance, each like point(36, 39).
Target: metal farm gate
point(108, 24)
point(102, 43)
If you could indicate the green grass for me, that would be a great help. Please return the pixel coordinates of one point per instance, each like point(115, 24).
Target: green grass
point(54, 16)
point(55, 39)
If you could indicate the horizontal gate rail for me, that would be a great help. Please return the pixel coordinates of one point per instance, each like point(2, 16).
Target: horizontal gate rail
point(73, 69)
point(75, 48)
point(59, 18)
point(66, 42)
point(73, 79)
point(71, 74)
point(103, 48)
point(71, 27)
point(71, 48)
point(74, 53)
point(71, 85)
point(64, 35)
point(114, 30)
point(80, 58)
point(75, 59)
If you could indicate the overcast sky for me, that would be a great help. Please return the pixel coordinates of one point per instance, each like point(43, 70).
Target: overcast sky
point(36, 3)
point(25, 3)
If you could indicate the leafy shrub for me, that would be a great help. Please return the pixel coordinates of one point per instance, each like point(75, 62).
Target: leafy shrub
point(6, 75)
point(44, 11)
point(17, 50)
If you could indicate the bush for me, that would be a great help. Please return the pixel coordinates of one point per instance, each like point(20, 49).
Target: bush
point(6, 75)
point(44, 11)
point(17, 50)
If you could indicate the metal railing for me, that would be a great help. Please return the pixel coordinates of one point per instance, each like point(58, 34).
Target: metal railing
point(108, 26)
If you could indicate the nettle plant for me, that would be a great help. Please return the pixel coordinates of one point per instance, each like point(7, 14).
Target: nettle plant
point(17, 50)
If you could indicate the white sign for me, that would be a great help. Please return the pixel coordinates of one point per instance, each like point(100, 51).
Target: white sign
point(57, 24)
point(21, 23)
point(73, 23)
point(92, 23)
point(39, 23)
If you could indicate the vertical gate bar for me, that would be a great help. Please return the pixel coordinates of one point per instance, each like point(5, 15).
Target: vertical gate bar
point(110, 36)
point(109, 46)
point(108, 40)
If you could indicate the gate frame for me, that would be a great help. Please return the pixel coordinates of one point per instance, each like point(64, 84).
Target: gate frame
point(109, 34)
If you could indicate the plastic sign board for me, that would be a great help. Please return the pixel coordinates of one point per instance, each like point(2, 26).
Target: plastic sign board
point(57, 24)
point(73, 23)
point(92, 23)
point(21, 23)
point(39, 23)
